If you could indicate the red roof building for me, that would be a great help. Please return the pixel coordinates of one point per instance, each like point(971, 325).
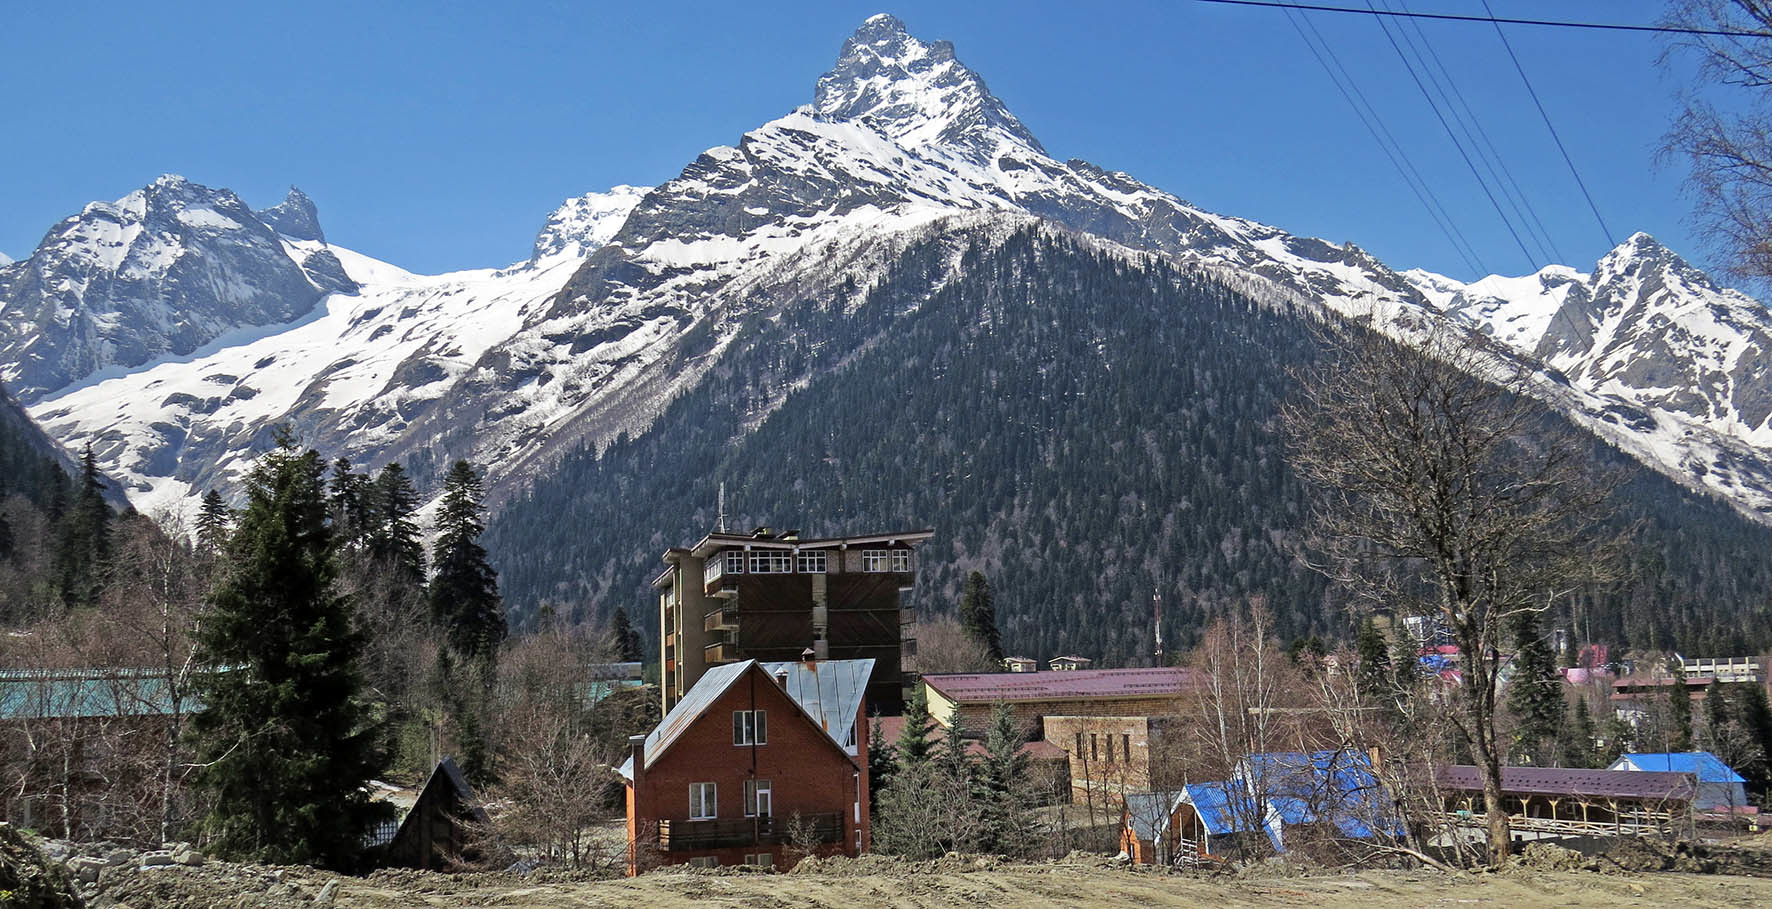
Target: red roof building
point(758, 764)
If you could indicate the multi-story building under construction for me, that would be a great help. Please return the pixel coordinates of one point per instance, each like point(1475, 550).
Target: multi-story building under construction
point(773, 596)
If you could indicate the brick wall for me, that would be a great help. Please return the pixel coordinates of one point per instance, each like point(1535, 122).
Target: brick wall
point(1113, 755)
point(807, 773)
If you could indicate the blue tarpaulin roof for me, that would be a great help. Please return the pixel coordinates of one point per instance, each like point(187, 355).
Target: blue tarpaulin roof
point(1705, 765)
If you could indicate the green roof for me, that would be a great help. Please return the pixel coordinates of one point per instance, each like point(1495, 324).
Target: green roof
point(27, 694)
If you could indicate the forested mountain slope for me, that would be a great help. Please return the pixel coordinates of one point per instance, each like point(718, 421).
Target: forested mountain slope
point(1083, 428)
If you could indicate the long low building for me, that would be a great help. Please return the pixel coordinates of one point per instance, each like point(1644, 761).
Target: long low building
point(1554, 801)
point(965, 699)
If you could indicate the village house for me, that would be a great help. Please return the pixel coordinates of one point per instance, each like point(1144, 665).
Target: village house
point(1020, 664)
point(964, 700)
point(1720, 789)
point(1110, 756)
point(757, 764)
point(436, 830)
point(770, 596)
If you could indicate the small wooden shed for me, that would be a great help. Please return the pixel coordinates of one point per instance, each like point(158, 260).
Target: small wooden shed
point(436, 832)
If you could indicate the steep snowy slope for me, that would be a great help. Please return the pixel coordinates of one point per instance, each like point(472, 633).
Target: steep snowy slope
point(630, 297)
point(348, 375)
point(162, 271)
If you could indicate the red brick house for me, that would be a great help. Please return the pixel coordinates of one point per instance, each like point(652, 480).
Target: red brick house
point(758, 764)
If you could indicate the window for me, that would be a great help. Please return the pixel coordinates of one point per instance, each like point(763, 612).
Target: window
point(734, 562)
point(761, 860)
point(1110, 738)
point(759, 798)
point(812, 563)
point(705, 861)
point(901, 560)
point(771, 562)
point(874, 560)
point(750, 727)
point(1094, 753)
point(703, 801)
point(1079, 749)
point(1125, 747)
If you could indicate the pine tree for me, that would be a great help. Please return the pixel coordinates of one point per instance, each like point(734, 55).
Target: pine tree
point(464, 593)
point(351, 499)
point(286, 741)
point(1003, 785)
point(627, 640)
point(1576, 741)
point(85, 536)
point(393, 535)
point(978, 614)
point(1375, 674)
point(913, 740)
point(882, 760)
point(1756, 720)
point(1679, 712)
point(1535, 693)
point(1716, 711)
point(213, 521)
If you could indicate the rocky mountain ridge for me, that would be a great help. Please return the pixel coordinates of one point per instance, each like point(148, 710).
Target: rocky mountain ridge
point(630, 298)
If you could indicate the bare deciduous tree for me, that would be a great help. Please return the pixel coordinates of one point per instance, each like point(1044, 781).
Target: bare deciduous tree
point(943, 645)
point(1442, 489)
point(1728, 148)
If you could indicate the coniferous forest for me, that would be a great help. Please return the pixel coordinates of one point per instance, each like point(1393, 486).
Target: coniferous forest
point(1084, 431)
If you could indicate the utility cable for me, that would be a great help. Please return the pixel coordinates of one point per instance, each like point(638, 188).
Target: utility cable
point(1453, 17)
point(1511, 191)
point(1607, 231)
point(1375, 126)
point(1385, 26)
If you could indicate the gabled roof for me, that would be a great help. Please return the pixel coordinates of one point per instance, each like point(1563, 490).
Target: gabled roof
point(1148, 812)
point(1212, 802)
point(1708, 767)
point(445, 776)
point(827, 697)
point(971, 687)
point(830, 692)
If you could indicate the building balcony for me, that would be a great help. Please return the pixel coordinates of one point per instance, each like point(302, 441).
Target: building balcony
point(721, 833)
point(715, 654)
point(907, 617)
point(723, 619)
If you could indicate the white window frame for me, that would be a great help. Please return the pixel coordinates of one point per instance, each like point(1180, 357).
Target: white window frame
point(875, 561)
point(759, 798)
point(750, 727)
point(705, 861)
point(815, 562)
point(901, 561)
point(771, 561)
point(734, 561)
point(704, 797)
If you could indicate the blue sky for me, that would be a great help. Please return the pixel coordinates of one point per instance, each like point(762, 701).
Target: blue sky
point(438, 136)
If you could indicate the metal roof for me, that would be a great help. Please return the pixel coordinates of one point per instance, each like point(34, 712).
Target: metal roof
point(1708, 767)
point(717, 541)
point(1634, 784)
point(830, 691)
point(1149, 811)
point(1075, 683)
point(827, 692)
point(69, 693)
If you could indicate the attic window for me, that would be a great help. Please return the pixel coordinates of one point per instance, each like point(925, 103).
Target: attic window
point(750, 727)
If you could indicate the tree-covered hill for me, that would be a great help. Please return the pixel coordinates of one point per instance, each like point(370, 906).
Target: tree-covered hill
point(1083, 429)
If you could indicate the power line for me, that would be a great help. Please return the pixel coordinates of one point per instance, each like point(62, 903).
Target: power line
point(1380, 133)
point(1453, 17)
point(1385, 26)
point(1553, 130)
point(1479, 138)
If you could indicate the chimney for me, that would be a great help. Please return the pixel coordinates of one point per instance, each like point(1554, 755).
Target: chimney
point(781, 678)
point(808, 656)
point(637, 747)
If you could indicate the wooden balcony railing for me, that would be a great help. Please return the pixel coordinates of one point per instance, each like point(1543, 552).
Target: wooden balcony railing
point(722, 619)
point(720, 833)
point(714, 654)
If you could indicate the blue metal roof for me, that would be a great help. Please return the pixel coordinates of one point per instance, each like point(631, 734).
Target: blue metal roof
point(1212, 802)
point(1705, 765)
point(79, 693)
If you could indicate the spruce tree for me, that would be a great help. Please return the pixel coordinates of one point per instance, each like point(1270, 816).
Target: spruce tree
point(213, 520)
point(393, 536)
point(1716, 711)
point(85, 536)
point(1375, 676)
point(627, 640)
point(978, 614)
point(351, 499)
point(1576, 740)
point(1003, 785)
point(1756, 719)
point(1679, 713)
point(286, 741)
point(913, 739)
point(1535, 693)
point(882, 760)
point(464, 593)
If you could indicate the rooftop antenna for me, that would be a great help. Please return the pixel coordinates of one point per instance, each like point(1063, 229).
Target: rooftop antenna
point(722, 521)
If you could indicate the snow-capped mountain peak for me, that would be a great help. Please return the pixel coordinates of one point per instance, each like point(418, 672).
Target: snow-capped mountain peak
point(295, 217)
point(584, 223)
point(915, 92)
